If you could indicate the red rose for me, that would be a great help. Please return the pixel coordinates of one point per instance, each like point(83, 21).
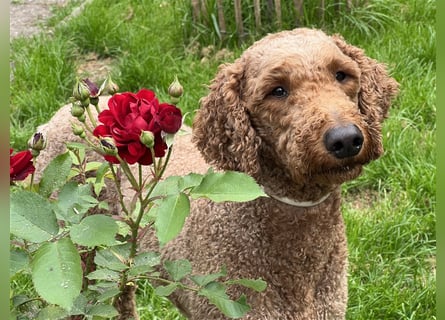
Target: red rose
point(20, 165)
point(169, 118)
point(129, 114)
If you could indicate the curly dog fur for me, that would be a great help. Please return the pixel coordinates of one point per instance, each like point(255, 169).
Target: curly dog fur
point(301, 112)
point(270, 114)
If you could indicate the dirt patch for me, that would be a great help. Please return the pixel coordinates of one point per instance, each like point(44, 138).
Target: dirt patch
point(28, 17)
point(360, 200)
point(90, 66)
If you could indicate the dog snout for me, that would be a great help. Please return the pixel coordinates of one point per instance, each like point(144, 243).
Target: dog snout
point(344, 141)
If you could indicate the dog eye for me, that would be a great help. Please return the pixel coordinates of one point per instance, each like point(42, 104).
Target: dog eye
point(340, 76)
point(279, 92)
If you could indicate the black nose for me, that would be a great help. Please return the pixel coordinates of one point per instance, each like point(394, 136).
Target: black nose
point(344, 142)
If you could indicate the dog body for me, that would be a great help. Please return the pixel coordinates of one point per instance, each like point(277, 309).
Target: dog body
point(300, 112)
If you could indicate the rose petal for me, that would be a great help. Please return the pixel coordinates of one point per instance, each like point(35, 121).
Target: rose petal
point(20, 165)
point(169, 118)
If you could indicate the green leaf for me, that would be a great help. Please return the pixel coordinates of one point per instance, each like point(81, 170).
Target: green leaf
point(103, 310)
point(203, 280)
point(57, 273)
point(254, 284)
point(53, 313)
point(104, 274)
point(147, 259)
point(74, 200)
point(55, 174)
point(189, 181)
point(80, 304)
point(175, 184)
point(113, 258)
point(102, 286)
point(216, 294)
point(178, 269)
point(227, 186)
point(94, 231)
point(145, 263)
point(167, 290)
point(18, 260)
point(94, 165)
point(169, 186)
point(108, 294)
point(77, 152)
point(20, 300)
point(32, 217)
point(102, 172)
point(75, 145)
point(170, 216)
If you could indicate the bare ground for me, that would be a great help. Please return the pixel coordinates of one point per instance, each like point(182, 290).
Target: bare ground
point(28, 17)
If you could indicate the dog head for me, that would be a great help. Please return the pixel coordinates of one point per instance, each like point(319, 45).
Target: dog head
point(298, 106)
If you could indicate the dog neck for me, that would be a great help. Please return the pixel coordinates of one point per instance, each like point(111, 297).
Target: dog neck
point(296, 203)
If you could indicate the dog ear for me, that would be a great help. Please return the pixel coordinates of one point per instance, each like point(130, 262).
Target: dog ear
point(222, 129)
point(377, 88)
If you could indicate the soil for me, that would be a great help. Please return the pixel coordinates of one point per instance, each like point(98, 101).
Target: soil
point(28, 17)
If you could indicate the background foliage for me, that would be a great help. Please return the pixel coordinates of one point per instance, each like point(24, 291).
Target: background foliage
point(389, 210)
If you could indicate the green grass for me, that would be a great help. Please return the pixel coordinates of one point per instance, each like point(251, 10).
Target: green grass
point(389, 210)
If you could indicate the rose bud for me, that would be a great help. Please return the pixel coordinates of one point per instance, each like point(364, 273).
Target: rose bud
point(175, 90)
point(77, 110)
point(108, 87)
point(92, 87)
point(37, 144)
point(108, 146)
point(81, 91)
point(148, 139)
point(82, 118)
point(78, 130)
point(94, 91)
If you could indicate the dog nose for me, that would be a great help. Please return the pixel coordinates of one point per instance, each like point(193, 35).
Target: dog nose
point(344, 142)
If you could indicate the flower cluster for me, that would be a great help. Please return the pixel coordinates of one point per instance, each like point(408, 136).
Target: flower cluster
point(20, 165)
point(130, 119)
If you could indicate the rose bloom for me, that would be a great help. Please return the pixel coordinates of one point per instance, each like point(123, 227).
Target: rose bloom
point(128, 115)
point(20, 165)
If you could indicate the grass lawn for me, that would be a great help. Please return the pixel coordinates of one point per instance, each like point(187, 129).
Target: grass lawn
point(389, 210)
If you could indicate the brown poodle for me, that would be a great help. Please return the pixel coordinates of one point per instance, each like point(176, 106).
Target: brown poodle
point(301, 112)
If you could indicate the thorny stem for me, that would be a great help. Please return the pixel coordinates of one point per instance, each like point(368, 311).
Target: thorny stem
point(159, 170)
point(142, 209)
point(128, 173)
point(158, 176)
